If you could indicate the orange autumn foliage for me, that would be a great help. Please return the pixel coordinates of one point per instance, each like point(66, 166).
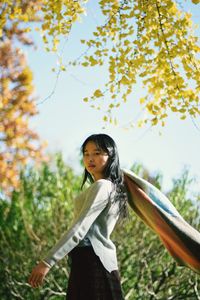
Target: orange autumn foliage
point(18, 143)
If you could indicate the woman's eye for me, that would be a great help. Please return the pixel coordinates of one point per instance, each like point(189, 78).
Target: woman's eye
point(87, 154)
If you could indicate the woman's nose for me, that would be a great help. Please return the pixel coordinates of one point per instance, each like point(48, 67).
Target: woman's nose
point(91, 158)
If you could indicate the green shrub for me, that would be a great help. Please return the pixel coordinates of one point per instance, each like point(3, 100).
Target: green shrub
point(37, 215)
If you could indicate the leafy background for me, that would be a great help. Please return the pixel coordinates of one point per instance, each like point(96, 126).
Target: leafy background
point(41, 212)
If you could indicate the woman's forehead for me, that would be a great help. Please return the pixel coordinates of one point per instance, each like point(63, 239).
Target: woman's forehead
point(91, 146)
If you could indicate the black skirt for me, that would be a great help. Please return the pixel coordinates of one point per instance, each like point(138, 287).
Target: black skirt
point(89, 279)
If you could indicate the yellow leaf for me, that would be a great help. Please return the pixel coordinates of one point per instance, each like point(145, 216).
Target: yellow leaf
point(54, 49)
point(45, 39)
point(163, 116)
point(98, 94)
point(124, 80)
point(85, 64)
point(154, 121)
point(140, 123)
point(105, 118)
point(63, 68)
point(142, 100)
point(174, 109)
point(112, 88)
point(183, 117)
point(126, 42)
point(93, 61)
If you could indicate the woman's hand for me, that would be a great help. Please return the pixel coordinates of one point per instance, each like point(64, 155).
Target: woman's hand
point(38, 274)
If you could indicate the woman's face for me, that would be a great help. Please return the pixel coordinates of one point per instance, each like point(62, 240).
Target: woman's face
point(95, 160)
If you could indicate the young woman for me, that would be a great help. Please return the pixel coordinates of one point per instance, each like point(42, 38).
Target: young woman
point(94, 271)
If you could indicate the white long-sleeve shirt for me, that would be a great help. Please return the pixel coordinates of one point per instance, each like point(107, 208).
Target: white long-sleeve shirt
point(96, 214)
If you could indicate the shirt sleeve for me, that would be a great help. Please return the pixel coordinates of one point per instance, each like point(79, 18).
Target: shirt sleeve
point(96, 200)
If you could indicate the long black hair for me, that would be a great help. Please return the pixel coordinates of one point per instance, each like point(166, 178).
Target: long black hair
point(112, 170)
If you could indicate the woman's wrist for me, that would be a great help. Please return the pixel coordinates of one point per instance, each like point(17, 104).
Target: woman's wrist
point(46, 264)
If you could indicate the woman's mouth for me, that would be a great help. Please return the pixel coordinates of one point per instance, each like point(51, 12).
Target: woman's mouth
point(91, 166)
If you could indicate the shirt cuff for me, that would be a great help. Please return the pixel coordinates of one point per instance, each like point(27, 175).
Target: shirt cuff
point(44, 262)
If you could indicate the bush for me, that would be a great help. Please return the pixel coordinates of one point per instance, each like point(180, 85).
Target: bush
point(38, 214)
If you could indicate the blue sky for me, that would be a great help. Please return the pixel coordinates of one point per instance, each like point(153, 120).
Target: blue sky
point(64, 120)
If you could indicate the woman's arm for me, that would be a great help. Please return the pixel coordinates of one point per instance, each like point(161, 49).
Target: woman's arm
point(95, 202)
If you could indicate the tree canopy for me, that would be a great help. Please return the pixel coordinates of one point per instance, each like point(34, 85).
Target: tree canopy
point(152, 41)
point(19, 144)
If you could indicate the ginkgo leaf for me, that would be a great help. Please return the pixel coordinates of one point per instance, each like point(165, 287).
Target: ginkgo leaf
point(105, 118)
point(142, 100)
point(85, 64)
point(124, 80)
point(98, 93)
